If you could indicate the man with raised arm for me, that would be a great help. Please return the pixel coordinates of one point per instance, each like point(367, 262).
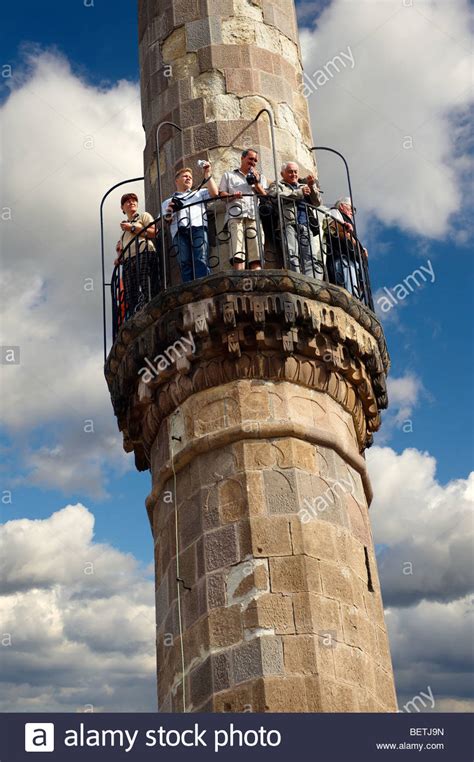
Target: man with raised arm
point(300, 222)
point(240, 187)
point(187, 217)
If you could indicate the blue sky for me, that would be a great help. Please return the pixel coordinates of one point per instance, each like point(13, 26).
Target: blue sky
point(75, 73)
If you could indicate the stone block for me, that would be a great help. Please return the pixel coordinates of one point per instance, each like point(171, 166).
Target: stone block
point(358, 630)
point(333, 696)
point(313, 538)
point(203, 32)
point(274, 612)
point(254, 582)
point(285, 694)
point(188, 565)
point(382, 653)
point(193, 603)
point(212, 675)
point(220, 57)
point(238, 30)
point(220, 8)
point(270, 536)
point(256, 497)
point(239, 698)
point(291, 574)
point(293, 453)
point(196, 640)
point(242, 81)
point(353, 666)
point(190, 521)
point(205, 136)
point(232, 500)
point(257, 657)
point(336, 582)
point(185, 11)
point(220, 548)
point(300, 654)
point(280, 491)
point(223, 107)
point(317, 614)
point(215, 584)
point(250, 106)
point(162, 602)
point(384, 688)
point(225, 626)
point(358, 520)
point(192, 113)
point(207, 85)
point(258, 455)
point(174, 46)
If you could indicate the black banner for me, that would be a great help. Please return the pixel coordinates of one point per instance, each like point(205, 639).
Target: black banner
point(227, 737)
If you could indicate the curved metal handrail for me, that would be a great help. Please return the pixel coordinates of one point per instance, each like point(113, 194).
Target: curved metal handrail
point(338, 153)
point(104, 284)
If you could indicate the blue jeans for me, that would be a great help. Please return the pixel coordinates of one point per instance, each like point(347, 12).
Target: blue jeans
point(342, 267)
point(192, 245)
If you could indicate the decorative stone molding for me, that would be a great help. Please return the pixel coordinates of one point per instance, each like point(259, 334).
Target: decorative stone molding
point(266, 325)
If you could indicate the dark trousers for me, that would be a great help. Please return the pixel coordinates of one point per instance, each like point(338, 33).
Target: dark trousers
point(140, 280)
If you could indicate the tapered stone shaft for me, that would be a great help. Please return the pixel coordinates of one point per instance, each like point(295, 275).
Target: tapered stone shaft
point(266, 388)
point(210, 66)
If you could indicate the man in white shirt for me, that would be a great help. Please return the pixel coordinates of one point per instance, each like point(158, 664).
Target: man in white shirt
point(239, 186)
point(188, 222)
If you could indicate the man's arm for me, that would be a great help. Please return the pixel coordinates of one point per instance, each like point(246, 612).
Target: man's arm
point(210, 183)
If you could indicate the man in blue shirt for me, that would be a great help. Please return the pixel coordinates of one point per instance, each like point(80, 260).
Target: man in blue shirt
point(188, 222)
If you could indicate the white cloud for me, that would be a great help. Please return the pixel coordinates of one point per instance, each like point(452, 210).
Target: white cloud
point(80, 616)
point(398, 91)
point(431, 646)
point(404, 393)
point(424, 534)
point(54, 176)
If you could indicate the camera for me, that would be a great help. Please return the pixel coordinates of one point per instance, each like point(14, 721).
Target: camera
point(177, 203)
point(250, 178)
point(202, 163)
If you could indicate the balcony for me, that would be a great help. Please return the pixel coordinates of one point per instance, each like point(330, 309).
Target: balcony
point(282, 237)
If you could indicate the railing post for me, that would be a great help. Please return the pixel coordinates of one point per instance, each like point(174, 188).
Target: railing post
point(338, 153)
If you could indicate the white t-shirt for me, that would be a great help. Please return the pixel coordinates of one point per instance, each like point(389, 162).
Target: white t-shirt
point(234, 181)
point(195, 215)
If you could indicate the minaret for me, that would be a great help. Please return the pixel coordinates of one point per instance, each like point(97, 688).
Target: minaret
point(267, 593)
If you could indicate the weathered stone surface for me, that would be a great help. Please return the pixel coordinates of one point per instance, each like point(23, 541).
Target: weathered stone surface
point(279, 592)
point(294, 574)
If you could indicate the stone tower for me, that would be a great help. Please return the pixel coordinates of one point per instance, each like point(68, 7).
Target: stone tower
point(267, 593)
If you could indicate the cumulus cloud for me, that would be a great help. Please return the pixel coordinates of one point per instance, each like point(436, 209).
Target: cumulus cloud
point(79, 616)
point(431, 647)
point(425, 528)
point(54, 178)
point(399, 111)
point(424, 535)
point(404, 394)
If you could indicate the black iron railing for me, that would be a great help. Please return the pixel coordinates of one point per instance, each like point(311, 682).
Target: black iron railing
point(203, 237)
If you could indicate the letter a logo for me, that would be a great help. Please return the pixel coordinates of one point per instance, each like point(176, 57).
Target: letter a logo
point(39, 736)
